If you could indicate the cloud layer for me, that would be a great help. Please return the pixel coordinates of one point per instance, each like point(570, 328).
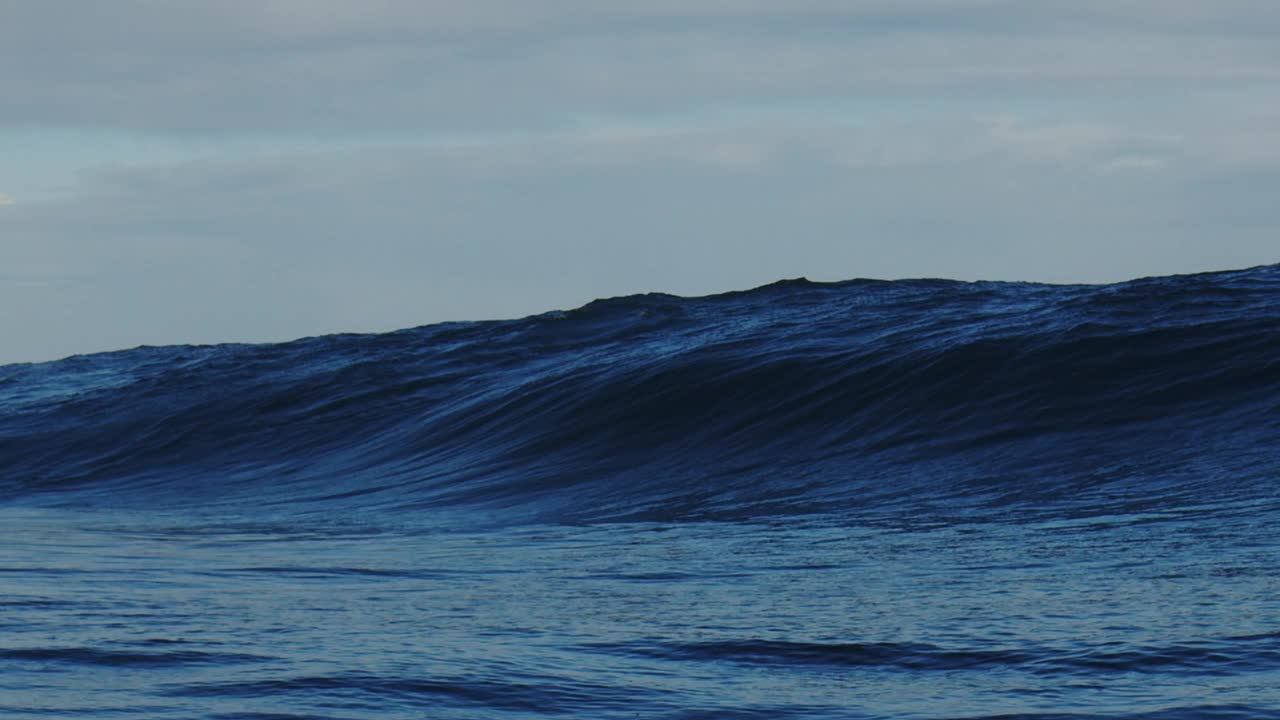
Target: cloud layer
point(305, 167)
point(313, 66)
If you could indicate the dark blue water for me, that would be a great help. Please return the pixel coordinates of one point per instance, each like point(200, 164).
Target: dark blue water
point(910, 499)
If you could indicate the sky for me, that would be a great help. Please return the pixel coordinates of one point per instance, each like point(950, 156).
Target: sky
point(174, 171)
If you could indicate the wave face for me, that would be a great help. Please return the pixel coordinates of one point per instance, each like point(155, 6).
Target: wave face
point(793, 398)
point(861, 500)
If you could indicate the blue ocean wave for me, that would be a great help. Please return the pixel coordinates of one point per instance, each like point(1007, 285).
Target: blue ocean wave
point(796, 397)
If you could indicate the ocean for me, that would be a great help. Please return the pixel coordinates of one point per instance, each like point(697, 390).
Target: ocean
point(917, 499)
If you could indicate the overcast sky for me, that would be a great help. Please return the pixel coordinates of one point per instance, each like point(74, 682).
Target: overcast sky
point(175, 171)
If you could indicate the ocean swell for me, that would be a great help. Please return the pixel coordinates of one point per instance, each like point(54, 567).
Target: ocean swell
point(796, 397)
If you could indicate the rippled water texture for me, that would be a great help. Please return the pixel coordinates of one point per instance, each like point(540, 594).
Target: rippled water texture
point(912, 499)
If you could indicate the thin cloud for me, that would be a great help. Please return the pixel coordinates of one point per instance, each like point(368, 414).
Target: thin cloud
point(259, 170)
point(393, 66)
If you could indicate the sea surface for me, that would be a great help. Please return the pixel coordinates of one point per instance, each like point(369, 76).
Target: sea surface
point(912, 499)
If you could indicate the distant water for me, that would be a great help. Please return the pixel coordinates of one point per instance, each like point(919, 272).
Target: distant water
point(910, 499)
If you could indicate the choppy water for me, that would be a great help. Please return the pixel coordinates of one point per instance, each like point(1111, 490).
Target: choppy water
point(911, 499)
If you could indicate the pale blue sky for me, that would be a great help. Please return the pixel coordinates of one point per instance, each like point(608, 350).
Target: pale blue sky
point(175, 172)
